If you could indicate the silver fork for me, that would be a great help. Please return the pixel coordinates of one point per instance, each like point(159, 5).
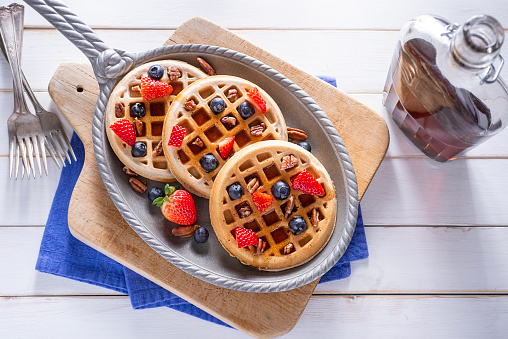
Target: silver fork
point(50, 123)
point(28, 127)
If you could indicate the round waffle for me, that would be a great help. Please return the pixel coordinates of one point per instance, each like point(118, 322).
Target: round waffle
point(204, 130)
point(283, 248)
point(151, 166)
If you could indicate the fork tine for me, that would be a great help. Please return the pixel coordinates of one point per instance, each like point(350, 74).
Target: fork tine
point(58, 148)
point(23, 147)
point(51, 151)
point(30, 154)
point(35, 147)
point(11, 156)
point(43, 152)
point(59, 139)
point(17, 163)
point(64, 136)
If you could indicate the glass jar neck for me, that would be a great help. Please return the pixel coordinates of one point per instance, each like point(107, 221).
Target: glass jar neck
point(478, 42)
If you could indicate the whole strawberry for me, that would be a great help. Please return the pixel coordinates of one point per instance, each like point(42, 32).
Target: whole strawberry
point(177, 206)
point(153, 89)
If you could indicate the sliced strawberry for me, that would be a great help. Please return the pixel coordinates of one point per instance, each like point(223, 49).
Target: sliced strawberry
point(306, 183)
point(254, 94)
point(225, 146)
point(177, 135)
point(152, 89)
point(180, 208)
point(125, 131)
point(262, 200)
point(245, 237)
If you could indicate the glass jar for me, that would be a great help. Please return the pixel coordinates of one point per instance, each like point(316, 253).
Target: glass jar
point(443, 89)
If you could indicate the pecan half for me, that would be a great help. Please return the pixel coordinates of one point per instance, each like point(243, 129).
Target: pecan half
point(189, 105)
point(228, 121)
point(138, 126)
point(138, 185)
point(198, 142)
point(288, 161)
point(129, 172)
point(173, 73)
point(289, 206)
point(157, 150)
point(184, 231)
point(314, 220)
point(119, 109)
point(289, 248)
point(253, 185)
point(244, 211)
point(136, 88)
point(296, 134)
point(206, 66)
point(232, 94)
point(261, 246)
point(258, 130)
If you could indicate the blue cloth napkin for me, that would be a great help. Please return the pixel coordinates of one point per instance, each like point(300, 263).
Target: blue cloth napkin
point(63, 255)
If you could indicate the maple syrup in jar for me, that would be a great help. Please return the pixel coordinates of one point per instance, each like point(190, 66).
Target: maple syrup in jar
point(443, 89)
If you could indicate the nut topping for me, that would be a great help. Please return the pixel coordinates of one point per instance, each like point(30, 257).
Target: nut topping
point(244, 212)
point(296, 134)
point(229, 121)
point(258, 130)
point(206, 66)
point(253, 185)
point(136, 88)
point(184, 231)
point(138, 126)
point(289, 206)
point(288, 248)
point(261, 246)
point(189, 105)
point(288, 161)
point(157, 150)
point(198, 142)
point(129, 172)
point(173, 73)
point(137, 185)
point(314, 220)
point(232, 94)
point(119, 109)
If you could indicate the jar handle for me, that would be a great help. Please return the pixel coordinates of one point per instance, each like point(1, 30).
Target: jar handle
point(493, 73)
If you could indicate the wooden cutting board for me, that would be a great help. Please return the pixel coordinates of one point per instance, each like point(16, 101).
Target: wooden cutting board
point(94, 219)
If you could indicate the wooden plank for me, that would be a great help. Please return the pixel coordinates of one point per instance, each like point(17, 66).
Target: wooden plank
point(449, 260)
point(275, 14)
point(325, 317)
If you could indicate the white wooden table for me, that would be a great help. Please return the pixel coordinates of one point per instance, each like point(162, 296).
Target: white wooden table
point(437, 233)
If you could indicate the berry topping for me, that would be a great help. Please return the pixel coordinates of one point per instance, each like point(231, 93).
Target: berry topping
point(156, 72)
point(305, 145)
point(256, 98)
point(281, 190)
point(208, 162)
point(155, 193)
point(201, 235)
point(245, 237)
point(177, 206)
point(138, 110)
point(139, 149)
point(125, 131)
point(297, 225)
point(262, 200)
point(306, 183)
point(225, 146)
point(217, 105)
point(245, 109)
point(176, 137)
point(235, 191)
point(153, 89)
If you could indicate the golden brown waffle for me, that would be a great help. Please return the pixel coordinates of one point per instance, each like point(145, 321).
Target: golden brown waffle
point(149, 166)
point(202, 123)
point(263, 161)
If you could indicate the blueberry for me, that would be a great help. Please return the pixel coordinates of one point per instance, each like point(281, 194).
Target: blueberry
point(138, 150)
point(138, 110)
point(201, 235)
point(235, 191)
point(297, 225)
point(155, 193)
point(156, 72)
point(245, 109)
point(208, 162)
point(305, 145)
point(217, 105)
point(281, 190)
